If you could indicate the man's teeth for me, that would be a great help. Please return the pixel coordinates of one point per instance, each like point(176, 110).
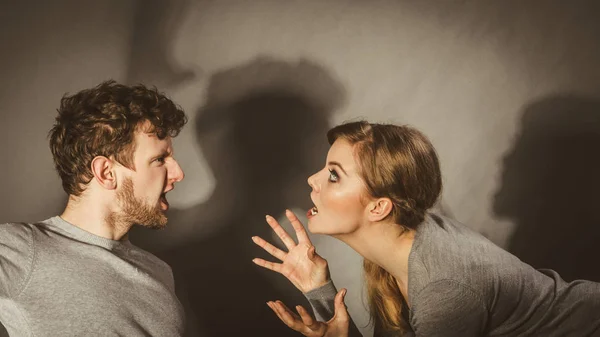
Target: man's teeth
point(314, 211)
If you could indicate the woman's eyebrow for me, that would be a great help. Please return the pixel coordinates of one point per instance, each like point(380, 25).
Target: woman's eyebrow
point(338, 165)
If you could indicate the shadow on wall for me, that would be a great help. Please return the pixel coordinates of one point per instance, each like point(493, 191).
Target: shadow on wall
point(155, 29)
point(550, 187)
point(262, 132)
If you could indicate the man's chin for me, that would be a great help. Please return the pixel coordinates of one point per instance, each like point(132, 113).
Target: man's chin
point(154, 226)
point(157, 221)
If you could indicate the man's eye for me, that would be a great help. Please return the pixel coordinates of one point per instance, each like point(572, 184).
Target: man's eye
point(160, 160)
point(333, 176)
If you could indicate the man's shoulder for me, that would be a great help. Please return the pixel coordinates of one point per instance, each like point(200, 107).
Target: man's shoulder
point(155, 266)
point(16, 232)
point(16, 256)
point(150, 259)
point(21, 231)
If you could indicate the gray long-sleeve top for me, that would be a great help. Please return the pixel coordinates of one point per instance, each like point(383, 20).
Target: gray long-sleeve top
point(58, 280)
point(462, 284)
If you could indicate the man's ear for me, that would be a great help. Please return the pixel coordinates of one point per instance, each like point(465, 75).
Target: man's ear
point(379, 209)
point(104, 171)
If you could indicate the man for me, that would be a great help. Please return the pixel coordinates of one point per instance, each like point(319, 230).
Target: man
point(77, 274)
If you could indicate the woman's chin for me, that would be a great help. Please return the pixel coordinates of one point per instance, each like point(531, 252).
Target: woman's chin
point(311, 227)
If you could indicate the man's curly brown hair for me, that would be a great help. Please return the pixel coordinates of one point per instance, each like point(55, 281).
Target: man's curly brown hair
point(101, 121)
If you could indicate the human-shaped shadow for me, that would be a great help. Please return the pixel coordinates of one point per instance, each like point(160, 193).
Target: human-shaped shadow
point(262, 132)
point(550, 187)
point(155, 27)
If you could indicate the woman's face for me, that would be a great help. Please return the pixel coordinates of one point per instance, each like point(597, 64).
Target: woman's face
point(337, 193)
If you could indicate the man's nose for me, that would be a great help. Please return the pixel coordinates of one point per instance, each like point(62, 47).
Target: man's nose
point(175, 172)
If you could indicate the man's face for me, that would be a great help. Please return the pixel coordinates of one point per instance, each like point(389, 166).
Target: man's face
point(142, 194)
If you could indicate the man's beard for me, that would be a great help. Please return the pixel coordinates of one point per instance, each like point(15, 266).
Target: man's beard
point(136, 211)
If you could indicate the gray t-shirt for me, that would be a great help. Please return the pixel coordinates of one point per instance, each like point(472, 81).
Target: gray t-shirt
point(461, 284)
point(59, 280)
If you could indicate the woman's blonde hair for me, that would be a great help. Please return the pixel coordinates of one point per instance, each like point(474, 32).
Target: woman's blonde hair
point(399, 163)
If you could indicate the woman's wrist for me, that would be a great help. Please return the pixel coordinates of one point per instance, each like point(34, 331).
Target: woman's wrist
point(322, 290)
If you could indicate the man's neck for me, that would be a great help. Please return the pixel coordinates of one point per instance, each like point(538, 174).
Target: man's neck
point(94, 217)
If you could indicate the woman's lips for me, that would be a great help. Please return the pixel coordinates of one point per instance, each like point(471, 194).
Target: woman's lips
point(312, 212)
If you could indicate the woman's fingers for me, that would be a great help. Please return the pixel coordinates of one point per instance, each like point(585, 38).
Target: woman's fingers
point(287, 316)
point(276, 252)
point(304, 323)
point(287, 311)
point(307, 318)
point(281, 233)
point(276, 267)
point(298, 227)
point(276, 311)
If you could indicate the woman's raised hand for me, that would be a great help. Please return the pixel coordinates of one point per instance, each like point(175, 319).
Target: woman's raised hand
point(300, 264)
point(304, 323)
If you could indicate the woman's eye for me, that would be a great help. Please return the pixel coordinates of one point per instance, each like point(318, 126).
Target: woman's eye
point(333, 176)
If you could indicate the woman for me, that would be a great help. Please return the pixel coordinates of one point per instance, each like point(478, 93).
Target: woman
point(426, 275)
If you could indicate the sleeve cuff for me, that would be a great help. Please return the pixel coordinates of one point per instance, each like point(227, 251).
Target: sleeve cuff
point(326, 291)
point(322, 301)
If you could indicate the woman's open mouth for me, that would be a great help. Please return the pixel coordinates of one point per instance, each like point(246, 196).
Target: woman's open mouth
point(312, 212)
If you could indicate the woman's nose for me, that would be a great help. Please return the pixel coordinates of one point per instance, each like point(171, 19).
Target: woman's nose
point(312, 182)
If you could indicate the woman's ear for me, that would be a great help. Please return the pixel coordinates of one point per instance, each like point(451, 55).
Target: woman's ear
point(104, 172)
point(379, 209)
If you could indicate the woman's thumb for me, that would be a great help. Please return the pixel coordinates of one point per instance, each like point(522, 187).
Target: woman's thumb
point(340, 308)
point(311, 252)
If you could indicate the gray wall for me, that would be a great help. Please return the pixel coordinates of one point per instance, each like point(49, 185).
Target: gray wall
point(508, 91)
